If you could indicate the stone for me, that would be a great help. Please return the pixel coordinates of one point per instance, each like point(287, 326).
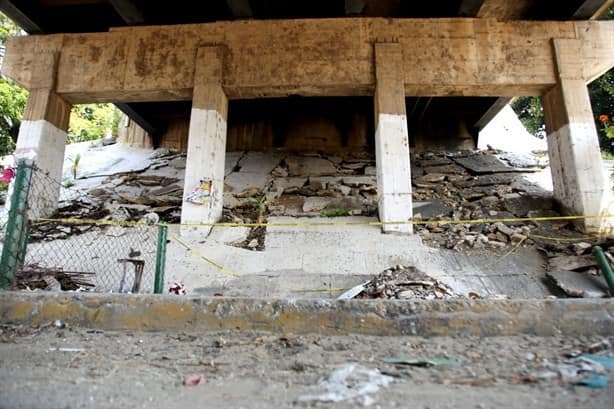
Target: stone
point(280, 184)
point(581, 248)
point(309, 166)
point(489, 201)
point(370, 171)
point(316, 204)
point(508, 231)
point(431, 178)
point(518, 238)
point(345, 190)
point(358, 181)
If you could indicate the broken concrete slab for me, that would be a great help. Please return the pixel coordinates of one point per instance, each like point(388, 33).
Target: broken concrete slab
point(529, 163)
point(431, 209)
point(238, 182)
point(310, 166)
point(259, 162)
point(576, 284)
point(358, 181)
point(316, 204)
point(480, 164)
point(569, 263)
point(485, 180)
point(521, 204)
point(451, 169)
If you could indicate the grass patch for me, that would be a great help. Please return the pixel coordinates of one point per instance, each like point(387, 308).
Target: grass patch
point(335, 212)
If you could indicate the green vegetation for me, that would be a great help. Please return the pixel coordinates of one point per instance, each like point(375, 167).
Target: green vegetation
point(601, 91)
point(12, 97)
point(87, 122)
point(334, 212)
point(90, 122)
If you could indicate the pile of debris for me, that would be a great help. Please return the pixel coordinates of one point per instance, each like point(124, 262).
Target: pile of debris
point(473, 190)
point(402, 283)
point(34, 277)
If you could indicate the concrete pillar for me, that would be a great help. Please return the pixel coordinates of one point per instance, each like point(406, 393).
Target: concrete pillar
point(42, 136)
point(204, 173)
point(392, 140)
point(573, 145)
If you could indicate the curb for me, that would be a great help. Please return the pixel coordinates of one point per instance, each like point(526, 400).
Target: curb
point(368, 317)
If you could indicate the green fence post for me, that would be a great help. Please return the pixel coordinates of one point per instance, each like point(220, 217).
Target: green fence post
point(160, 259)
point(16, 234)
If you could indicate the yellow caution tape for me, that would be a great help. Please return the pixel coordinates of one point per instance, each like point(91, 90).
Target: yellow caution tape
point(327, 224)
point(202, 257)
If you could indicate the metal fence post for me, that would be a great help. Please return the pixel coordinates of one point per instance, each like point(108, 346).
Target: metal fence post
point(160, 259)
point(16, 234)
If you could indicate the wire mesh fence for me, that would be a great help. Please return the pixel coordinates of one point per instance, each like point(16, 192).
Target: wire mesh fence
point(56, 237)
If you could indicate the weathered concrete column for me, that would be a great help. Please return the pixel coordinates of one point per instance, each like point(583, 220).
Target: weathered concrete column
point(204, 173)
point(573, 145)
point(42, 135)
point(392, 140)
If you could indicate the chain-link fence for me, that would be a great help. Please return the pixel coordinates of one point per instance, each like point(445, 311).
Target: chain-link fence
point(73, 243)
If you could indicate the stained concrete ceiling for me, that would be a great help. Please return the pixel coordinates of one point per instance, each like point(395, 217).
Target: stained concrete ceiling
point(55, 16)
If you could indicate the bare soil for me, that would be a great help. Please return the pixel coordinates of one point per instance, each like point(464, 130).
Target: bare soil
point(81, 368)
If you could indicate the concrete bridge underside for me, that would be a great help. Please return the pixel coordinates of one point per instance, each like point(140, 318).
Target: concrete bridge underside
point(386, 59)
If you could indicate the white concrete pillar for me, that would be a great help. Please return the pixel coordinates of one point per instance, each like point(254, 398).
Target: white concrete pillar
point(392, 141)
point(42, 137)
point(573, 144)
point(204, 174)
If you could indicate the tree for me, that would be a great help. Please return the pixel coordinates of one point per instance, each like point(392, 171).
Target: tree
point(90, 122)
point(601, 91)
point(12, 97)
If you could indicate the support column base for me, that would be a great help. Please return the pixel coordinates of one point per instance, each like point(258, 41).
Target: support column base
point(396, 208)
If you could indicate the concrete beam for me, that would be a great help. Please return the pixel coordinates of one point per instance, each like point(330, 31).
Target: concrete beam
point(355, 7)
point(129, 11)
point(451, 57)
point(592, 9)
point(240, 8)
point(470, 8)
point(573, 144)
point(138, 118)
point(503, 10)
point(204, 173)
point(20, 17)
point(494, 109)
point(479, 318)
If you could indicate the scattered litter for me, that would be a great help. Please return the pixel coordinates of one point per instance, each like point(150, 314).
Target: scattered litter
point(596, 381)
point(177, 289)
point(59, 324)
point(349, 383)
point(66, 349)
point(421, 362)
point(194, 380)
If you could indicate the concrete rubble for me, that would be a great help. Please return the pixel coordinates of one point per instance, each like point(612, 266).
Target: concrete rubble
point(459, 198)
